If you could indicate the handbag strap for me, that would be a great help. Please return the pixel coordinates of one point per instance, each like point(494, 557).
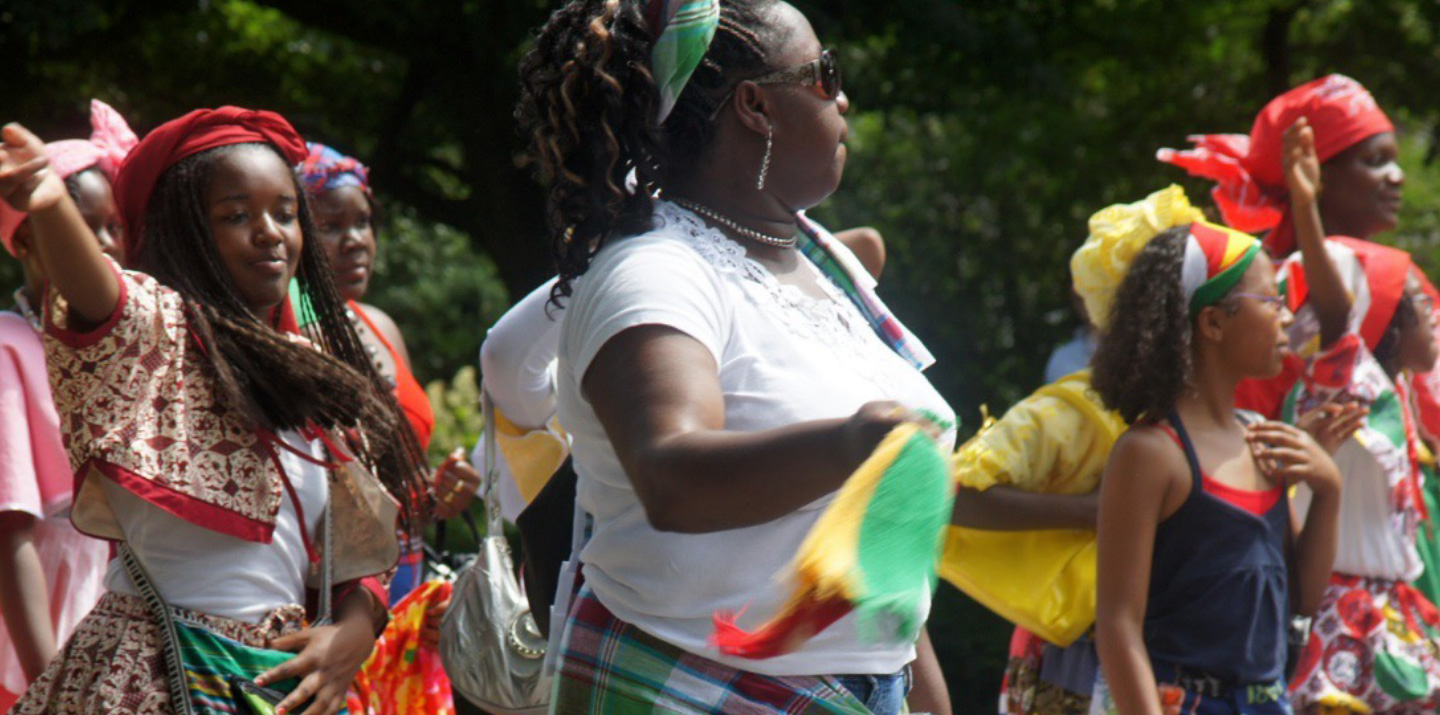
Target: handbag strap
point(491, 466)
point(175, 678)
point(327, 567)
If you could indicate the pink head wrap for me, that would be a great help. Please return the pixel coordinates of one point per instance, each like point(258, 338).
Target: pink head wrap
point(1251, 190)
point(110, 140)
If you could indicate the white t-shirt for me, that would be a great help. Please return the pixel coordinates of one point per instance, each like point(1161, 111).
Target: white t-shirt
point(517, 361)
point(783, 358)
point(206, 571)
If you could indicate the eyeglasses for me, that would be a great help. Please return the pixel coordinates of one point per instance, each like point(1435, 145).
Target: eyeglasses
point(822, 74)
point(1274, 302)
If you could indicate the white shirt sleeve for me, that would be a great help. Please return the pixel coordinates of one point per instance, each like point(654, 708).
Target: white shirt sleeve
point(518, 359)
point(648, 281)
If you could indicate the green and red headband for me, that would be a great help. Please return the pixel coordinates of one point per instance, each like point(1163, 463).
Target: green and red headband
point(1215, 259)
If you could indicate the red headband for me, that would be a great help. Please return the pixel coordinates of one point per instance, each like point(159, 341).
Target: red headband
point(1251, 190)
point(191, 134)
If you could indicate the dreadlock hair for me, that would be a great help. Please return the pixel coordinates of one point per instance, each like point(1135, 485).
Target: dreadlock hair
point(274, 382)
point(1143, 358)
point(588, 105)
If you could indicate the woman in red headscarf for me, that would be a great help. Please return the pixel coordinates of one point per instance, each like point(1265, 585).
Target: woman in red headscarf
point(208, 433)
point(1355, 142)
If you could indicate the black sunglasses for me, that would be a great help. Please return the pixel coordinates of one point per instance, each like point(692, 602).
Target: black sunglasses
point(821, 73)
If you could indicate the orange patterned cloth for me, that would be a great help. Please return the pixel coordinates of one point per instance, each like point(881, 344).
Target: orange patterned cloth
point(403, 677)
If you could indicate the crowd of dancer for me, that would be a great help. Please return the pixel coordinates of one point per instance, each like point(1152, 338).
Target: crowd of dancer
point(204, 433)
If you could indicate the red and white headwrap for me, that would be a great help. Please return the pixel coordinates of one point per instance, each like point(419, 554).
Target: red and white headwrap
point(191, 134)
point(1251, 191)
point(110, 140)
point(1215, 260)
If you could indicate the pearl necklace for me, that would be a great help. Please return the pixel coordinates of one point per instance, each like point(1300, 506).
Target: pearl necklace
point(750, 233)
point(23, 304)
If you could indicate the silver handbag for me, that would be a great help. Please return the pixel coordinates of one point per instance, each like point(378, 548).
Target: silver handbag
point(489, 643)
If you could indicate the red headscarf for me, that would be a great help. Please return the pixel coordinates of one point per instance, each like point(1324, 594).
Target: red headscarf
point(191, 134)
point(1251, 191)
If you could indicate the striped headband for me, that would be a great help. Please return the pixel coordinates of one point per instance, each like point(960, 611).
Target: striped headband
point(682, 30)
point(1215, 259)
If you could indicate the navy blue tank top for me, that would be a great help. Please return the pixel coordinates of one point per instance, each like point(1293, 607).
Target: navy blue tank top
point(1219, 593)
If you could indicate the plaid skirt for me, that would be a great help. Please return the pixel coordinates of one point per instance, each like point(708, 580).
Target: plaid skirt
point(609, 666)
point(1375, 646)
point(113, 663)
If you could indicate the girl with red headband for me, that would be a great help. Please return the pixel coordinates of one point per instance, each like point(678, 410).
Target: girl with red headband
point(50, 574)
point(1200, 562)
point(211, 438)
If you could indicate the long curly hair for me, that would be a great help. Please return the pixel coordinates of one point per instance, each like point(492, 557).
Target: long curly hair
point(1143, 360)
point(588, 105)
point(272, 381)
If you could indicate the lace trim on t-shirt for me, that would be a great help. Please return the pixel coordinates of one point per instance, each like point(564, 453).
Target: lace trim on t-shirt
point(833, 322)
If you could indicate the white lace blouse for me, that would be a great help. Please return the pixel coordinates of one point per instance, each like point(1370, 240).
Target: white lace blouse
point(783, 357)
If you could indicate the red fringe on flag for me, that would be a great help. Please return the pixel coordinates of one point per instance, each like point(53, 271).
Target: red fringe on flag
point(799, 622)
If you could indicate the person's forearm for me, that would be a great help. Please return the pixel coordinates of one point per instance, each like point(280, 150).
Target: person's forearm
point(74, 263)
point(1327, 292)
point(707, 481)
point(1002, 508)
point(1315, 552)
point(928, 694)
point(1127, 668)
point(24, 598)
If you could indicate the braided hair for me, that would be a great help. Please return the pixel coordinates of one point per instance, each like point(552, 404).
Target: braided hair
point(588, 104)
point(274, 382)
point(1143, 359)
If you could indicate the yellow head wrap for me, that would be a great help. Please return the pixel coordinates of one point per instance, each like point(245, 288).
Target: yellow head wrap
point(1117, 233)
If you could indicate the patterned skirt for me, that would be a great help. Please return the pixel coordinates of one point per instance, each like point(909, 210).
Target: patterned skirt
point(1044, 679)
point(113, 664)
point(609, 666)
point(1375, 647)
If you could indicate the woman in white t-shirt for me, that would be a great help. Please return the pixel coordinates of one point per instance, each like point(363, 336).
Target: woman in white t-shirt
point(724, 364)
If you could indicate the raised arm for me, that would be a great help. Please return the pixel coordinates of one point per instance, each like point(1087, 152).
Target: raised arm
point(1302, 175)
point(67, 248)
point(657, 393)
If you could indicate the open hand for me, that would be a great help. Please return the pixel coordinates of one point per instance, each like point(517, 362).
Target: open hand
point(1301, 163)
point(27, 182)
point(1289, 453)
point(329, 657)
point(1333, 423)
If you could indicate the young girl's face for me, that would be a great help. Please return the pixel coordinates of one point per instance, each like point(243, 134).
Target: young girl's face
point(96, 202)
point(254, 214)
point(1417, 349)
point(344, 222)
point(1256, 322)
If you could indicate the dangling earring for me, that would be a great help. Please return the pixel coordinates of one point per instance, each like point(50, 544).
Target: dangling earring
point(765, 161)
